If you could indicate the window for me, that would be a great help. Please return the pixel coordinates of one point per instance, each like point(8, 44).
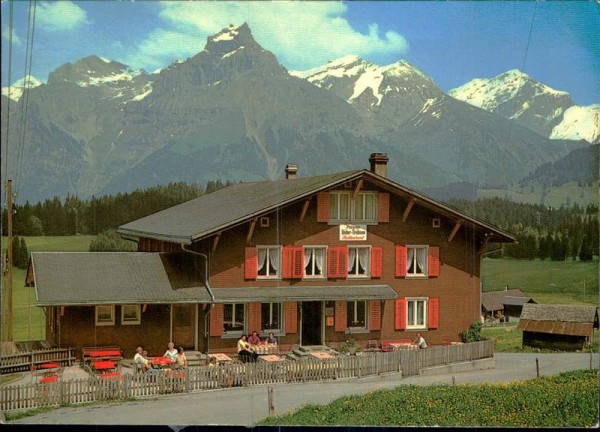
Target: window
point(314, 262)
point(359, 261)
point(356, 314)
point(364, 207)
point(416, 313)
point(270, 314)
point(416, 261)
point(268, 261)
point(339, 205)
point(233, 318)
point(105, 315)
point(130, 314)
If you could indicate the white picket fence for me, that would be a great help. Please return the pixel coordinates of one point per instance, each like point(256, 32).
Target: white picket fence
point(193, 379)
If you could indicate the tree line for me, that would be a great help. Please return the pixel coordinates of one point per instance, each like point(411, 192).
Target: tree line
point(542, 232)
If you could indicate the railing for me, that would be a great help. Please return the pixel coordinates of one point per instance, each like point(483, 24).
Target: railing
point(193, 379)
point(26, 361)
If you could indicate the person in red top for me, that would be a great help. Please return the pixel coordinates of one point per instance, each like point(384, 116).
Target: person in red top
point(254, 339)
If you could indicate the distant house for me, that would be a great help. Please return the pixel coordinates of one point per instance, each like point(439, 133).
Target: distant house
point(315, 260)
point(563, 327)
point(507, 303)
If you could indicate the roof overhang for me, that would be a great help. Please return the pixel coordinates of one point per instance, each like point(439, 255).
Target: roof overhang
point(556, 327)
point(304, 293)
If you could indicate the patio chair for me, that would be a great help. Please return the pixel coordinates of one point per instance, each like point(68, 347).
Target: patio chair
point(373, 345)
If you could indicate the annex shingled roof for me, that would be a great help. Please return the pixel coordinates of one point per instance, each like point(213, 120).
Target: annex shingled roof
point(564, 313)
point(82, 278)
point(495, 300)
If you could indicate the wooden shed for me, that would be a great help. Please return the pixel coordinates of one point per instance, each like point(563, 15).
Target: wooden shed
point(562, 327)
point(507, 304)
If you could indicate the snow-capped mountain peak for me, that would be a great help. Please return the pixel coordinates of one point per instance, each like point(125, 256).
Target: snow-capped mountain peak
point(579, 122)
point(15, 91)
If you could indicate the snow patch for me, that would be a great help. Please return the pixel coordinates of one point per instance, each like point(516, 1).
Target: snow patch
point(141, 96)
point(226, 34)
point(17, 88)
point(231, 53)
point(579, 122)
point(105, 60)
point(370, 78)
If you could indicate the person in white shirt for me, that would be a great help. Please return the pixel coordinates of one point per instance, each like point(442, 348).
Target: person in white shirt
point(171, 352)
point(420, 341)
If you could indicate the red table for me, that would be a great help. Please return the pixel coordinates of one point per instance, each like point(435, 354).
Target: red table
point(51, 365)
point(49, 379)
point(103, 365)
point(161, 361)
point(111, 375)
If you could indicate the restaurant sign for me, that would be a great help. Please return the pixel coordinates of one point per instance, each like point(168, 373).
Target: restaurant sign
point(353, 232)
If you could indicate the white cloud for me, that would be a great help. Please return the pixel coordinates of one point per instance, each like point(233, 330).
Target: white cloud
point(16, 40)
point(60, 15)
point(300, 34)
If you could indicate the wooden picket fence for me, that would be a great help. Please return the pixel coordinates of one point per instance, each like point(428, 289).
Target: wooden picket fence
point(199, 378)
point(26, 361)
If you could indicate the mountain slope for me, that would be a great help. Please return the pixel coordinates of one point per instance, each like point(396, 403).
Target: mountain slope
point(579, 123)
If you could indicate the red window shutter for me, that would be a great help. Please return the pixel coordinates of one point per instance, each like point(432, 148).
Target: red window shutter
point(216, 320)
point(291, 317)
point(337, 262)
point(433, 312)
point(434, 261)
point(293, 262)
point(323, 207)
point(250, 263)
point(376, 262)
point(254, 321)
point(401, 256)
point(400, 314)
point(340, 315)
point(374, 315)
point(383, 207)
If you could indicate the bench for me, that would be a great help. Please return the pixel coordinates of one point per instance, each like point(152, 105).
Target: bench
point(104, 353)
point(387, 347)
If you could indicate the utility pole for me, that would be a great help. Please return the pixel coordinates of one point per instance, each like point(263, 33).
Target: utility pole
point(8, 307)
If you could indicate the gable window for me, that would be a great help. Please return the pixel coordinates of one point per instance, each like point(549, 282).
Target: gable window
point(314, 262)
point(339, 206)
point(416, 313)
point(105, 315)
point(364, 207)
point(233, 318)
point(270, 314)
point(130, 314)
point(359, 261)
point(416, 261)
point(268, 260)
point(356, 314)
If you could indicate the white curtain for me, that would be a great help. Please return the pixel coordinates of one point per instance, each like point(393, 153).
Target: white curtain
point(262, 255)
point(421, 259)
point(319, 256)
point(307, 255)
point(363, 259)
point(274, 259)
point(351, 258)
point(409, 258)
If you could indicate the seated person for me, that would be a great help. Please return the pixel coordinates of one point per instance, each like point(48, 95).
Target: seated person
point(171, 353)
point(420, 341)
point(271, 339)
point(254, 339)
point(243, 350)
point(140, 361)
point(181, 359)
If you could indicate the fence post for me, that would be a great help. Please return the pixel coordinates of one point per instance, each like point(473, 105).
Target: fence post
point(270, 400)
point(537, 367)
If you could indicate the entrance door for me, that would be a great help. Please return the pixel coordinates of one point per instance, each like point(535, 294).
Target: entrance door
point(311, 323)
point(183, 325)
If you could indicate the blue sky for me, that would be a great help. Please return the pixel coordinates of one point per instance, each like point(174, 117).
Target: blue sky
point(555, 42)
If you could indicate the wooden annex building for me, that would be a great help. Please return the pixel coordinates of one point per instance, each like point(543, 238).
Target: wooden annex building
point(562, 327)
point(317, 260)
point(507, 304)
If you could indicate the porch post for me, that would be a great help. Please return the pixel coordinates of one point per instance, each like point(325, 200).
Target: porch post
point(170, 322)
point(196, 318)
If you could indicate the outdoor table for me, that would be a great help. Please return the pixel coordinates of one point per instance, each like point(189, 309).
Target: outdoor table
point(111, 375)
point(104, 353)
point(221, 357)
point(103, 365)
point(402, 346)
point(263, 349)
point(161, 362)
point(48, 379)
point(51, 365)
point(271, 358)
point(321, 355)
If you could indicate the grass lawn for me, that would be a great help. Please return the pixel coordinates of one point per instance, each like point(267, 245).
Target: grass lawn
point(551, 282)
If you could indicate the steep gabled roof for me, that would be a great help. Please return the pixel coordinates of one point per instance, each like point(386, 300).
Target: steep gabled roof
point(495, 300)
point(559, 319)
point(204, 216)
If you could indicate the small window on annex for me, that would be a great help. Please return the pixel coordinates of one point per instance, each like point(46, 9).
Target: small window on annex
point(105, 315)
point(270, 316)
point(314, 262)
point(416, 260)
point(268, 261)
point(356, 314)
point(131, 315)
point(233, 318)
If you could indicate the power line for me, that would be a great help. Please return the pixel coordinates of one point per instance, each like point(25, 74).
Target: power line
point(10, 37)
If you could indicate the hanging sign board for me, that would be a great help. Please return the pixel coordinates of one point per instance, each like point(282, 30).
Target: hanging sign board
point(353, 232)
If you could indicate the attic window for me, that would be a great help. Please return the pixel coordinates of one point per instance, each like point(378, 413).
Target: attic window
point(436, 223)
point(264, 221)
point(105, 315)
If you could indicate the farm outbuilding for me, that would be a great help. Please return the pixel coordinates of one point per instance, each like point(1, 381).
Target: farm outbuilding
point(563, 327)
point(507, 303)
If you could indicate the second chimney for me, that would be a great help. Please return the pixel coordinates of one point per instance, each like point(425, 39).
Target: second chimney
point(379, 163)
point(290, 171)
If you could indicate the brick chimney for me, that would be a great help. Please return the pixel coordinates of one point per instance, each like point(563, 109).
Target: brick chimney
point(290, 171)
point(379, 163)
